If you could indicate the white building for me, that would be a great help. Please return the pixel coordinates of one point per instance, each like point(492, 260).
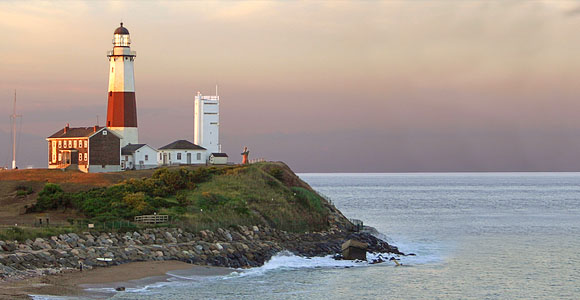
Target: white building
point(207, 122)
point(181, 152)
point(138, 157)
point(218, 159)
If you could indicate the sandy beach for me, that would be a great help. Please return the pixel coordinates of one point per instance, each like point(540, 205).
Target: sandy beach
point(73, 283)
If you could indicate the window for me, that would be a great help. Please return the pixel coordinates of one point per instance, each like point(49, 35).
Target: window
point(59, 156)
point(199, 156)
point(169, 156)
point(70, 143)
point(75, 143)
point(85, 155)
point(60, 144)
point(104, 132)
point(146, 157)
point(86, 144)
point(126, 157)
point(160, 156)
point(178, 156)
point(80, 156)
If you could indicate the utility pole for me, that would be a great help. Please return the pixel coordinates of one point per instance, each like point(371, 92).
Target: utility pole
point(13, 119)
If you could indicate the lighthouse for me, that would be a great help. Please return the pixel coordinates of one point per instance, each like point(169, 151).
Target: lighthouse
point(122, 107)
point(207, 123)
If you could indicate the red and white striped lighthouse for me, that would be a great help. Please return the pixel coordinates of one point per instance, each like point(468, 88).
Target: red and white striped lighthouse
point(122, 108)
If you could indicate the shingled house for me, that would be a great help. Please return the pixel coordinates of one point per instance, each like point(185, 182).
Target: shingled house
point(90, 149)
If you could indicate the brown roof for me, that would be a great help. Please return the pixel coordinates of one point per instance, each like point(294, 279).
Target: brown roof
point(219, 154)
point(131, 148)
point(74, 132)
point(182, 144)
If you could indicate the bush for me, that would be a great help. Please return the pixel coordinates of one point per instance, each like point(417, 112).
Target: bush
point(51, 197)
point(181, 198)
point(137, 202)
point(200, 175)
point(23, 190)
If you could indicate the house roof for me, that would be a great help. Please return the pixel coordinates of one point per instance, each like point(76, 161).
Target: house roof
point(219, 155)
point(182, 145)
point(131, 148)
point(75, 132)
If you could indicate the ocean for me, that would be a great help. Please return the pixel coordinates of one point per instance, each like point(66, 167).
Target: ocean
point(475, 236)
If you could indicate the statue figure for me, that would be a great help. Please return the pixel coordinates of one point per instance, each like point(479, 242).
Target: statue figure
point(245, 156)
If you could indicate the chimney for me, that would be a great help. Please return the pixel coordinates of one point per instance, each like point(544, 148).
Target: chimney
point(95, 128)
point(66, 127)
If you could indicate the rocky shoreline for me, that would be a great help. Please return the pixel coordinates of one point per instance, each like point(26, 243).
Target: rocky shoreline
point(235, 248)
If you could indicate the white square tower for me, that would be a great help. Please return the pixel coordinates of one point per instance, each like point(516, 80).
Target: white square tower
point(207, 123)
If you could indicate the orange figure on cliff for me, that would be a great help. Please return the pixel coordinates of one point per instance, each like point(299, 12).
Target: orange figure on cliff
point(245, 156)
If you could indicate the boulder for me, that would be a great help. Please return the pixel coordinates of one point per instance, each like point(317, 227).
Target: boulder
point(353, 249)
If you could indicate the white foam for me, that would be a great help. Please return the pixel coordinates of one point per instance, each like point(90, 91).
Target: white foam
point(285, 260)
point(48, 297)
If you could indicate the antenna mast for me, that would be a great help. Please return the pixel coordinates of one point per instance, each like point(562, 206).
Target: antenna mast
point(13, 118)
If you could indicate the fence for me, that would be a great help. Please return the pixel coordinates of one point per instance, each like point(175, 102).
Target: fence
point(152, 219)
point(358, 224)
point(325, 197)
point(256, 160)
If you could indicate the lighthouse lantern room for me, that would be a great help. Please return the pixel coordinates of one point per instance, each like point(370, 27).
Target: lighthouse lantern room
point(122, 107)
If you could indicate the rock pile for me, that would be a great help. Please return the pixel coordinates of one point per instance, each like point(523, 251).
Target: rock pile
point(244, 247)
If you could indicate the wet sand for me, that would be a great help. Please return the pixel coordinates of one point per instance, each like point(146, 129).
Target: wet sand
point(74, 283)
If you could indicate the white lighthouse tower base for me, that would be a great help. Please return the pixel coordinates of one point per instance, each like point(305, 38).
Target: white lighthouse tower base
point(129, 135)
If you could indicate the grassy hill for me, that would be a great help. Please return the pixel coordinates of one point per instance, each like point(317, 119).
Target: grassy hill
point(195, 197)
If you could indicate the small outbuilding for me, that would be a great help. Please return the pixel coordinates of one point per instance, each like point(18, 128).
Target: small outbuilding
point(138, 157)
point(218, 159)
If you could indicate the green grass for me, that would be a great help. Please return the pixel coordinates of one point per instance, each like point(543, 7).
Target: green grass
point(268, 200)
point(22, 234)
point(205, 198)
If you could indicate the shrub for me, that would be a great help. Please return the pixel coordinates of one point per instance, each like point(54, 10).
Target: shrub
point(51, 197)
point(137, 201)
point(200, 175)
point(23, 190)
point(181, 198)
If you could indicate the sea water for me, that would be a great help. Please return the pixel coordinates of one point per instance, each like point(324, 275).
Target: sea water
point(475, 236)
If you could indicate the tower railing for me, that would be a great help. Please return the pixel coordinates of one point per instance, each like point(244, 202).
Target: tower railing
point(112, 53)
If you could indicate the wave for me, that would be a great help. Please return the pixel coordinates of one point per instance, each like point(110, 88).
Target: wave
point(286, 260)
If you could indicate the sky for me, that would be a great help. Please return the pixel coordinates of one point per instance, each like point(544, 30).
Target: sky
point(325, 86)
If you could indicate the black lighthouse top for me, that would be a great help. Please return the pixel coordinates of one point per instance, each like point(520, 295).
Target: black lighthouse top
point(121, 30)
point(121, 37)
